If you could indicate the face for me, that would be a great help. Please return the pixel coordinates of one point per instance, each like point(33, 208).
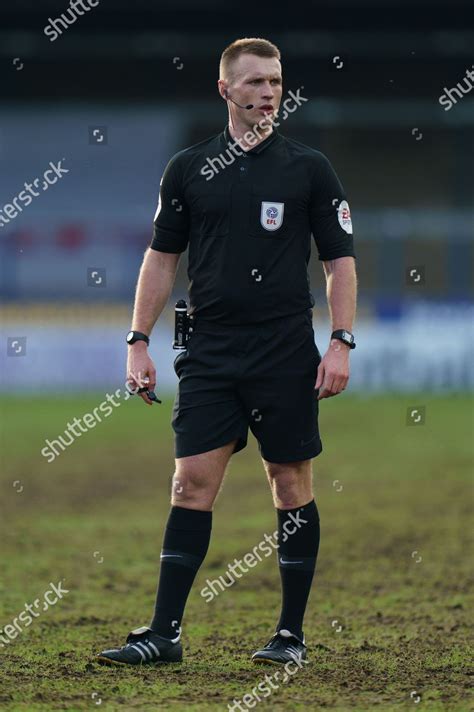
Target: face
point(254, 80)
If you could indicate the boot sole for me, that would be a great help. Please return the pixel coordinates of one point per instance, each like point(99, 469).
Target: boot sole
point(108, 661)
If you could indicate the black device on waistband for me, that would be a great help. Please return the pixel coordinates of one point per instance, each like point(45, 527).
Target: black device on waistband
point(182, 325)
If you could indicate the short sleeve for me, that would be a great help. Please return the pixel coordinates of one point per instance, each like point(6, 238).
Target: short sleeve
point(171, 221)
point(330, 214)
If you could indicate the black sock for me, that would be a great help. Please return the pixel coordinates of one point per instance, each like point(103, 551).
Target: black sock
point(185, 545)
point(297, 554)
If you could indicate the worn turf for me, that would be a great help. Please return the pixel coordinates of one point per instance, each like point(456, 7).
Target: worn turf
point(388, 620)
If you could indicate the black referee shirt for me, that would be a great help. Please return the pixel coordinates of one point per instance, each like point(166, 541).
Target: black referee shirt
point(248, 221)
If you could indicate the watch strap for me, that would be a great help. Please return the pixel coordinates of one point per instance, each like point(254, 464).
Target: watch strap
point(134, 336)
point(345, 336)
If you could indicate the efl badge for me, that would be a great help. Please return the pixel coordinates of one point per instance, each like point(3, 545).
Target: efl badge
point(271, 215)
point(344, 216)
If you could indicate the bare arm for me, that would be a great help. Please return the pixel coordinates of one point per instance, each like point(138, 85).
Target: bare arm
point(155, 282)
point(341, 291)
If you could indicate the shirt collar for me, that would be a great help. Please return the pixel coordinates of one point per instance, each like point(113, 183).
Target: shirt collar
point(259, 147)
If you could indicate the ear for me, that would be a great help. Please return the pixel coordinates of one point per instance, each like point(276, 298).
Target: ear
point(222, 88)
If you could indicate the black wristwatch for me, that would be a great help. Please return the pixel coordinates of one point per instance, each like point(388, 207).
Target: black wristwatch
point(345, 336)
point(133, 336)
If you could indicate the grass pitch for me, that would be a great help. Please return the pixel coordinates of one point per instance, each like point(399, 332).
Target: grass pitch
point(388, 619)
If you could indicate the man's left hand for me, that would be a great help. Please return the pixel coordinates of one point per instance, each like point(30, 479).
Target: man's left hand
point(333, 371)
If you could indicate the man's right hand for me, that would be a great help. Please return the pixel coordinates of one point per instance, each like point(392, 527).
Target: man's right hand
point(140, 370)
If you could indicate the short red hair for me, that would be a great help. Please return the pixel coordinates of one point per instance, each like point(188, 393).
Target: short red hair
point(246, 45)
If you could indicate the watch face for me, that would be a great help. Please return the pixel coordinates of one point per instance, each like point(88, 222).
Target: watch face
point(130, 336)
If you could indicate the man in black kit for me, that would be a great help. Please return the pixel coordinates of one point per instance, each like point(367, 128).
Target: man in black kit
point(247, 202)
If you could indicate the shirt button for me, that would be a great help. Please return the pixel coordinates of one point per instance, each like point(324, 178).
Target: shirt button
point(242, 168)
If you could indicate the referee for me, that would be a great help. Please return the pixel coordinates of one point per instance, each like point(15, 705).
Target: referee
point(247, 203)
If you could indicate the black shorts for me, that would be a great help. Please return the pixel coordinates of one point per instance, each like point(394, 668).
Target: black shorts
point(260, 376)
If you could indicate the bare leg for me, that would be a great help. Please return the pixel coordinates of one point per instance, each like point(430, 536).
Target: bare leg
point(196, 484)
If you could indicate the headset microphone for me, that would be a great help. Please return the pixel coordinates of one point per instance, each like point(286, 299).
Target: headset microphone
point(248, 107)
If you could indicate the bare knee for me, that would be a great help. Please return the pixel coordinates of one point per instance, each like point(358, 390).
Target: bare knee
point(290, 483)
point(191, 489)
point(198, 478)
